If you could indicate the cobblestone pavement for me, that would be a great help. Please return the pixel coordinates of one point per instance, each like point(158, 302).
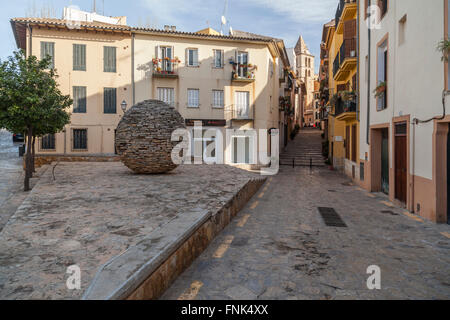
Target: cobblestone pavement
point(93, 212)
point(278, 247)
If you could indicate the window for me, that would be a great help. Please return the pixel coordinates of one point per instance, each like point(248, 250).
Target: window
point(193, 98)
point(79, 57)
point(242, 61)
point(165, 54)
point(79, 139)
point(48, 49)
point(382, 57)
point(48, 142)
point(110, 100)
point(218, 101)
point(242, 146)
point(242, 104)
point(192, 57)
point(109, 59)
point(166, 95)
point(218, 59)
point(79, 99)
point(383, 5)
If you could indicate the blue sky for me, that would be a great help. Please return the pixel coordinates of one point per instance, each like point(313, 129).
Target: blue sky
point(285, 19)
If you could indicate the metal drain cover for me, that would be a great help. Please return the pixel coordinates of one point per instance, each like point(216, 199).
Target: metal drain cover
point(331, 218)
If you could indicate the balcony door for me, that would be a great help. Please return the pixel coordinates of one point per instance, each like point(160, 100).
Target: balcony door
point(166, 56)
point(242, 103)
point(242, 61)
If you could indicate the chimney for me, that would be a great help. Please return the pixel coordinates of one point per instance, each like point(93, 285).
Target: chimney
point(174, 28)
point(166, 28)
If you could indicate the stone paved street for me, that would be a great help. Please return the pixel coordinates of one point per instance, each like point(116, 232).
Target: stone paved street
point(278, 247)
point(93, 212)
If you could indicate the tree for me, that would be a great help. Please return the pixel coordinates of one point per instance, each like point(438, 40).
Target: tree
point(31, 102)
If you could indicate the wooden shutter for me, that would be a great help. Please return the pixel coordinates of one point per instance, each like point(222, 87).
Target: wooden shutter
point(349, 29)
point(79, 57)
point(79, 99)
point(109, 59)
point(110, 100)
point(48, 49)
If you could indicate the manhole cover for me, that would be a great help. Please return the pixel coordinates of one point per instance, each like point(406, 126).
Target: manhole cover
point(331, 218)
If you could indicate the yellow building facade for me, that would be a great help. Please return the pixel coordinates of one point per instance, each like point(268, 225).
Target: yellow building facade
point(343, 124)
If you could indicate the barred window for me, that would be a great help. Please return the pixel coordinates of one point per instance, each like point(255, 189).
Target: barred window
point(110, 100)
point(193, 98)
point(79, 139)
point(192, 57)
point(109, 59)
point(79, 57)
point(48, 49)
point(218, 99)
point(79, 99)
point(48, 142)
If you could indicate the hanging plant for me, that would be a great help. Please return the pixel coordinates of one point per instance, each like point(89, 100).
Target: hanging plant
point(444, 47)
point(334, 99)
point(380, 89)
point(348, 95)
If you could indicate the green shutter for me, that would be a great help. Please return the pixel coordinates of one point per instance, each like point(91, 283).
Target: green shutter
point(79, 99)
point(79, 57)
point(48, 49)
point(109, 59)
point(110, 100)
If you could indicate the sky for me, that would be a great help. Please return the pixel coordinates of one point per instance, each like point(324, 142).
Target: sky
point(284, 19)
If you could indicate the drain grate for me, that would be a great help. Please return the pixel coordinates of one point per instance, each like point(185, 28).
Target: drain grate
point(392, 213)
point(331, 218)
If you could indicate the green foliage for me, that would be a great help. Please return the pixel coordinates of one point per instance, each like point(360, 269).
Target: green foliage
point(380, 89)
point(30, 98)
point(444, 47)
point(30, 101)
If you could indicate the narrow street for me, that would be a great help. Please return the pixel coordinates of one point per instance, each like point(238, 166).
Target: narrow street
point(278, 247)
point(10, 177)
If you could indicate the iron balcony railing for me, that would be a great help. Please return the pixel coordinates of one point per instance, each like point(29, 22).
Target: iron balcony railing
point(340, 9)
point(347, 50)
point(344, 106)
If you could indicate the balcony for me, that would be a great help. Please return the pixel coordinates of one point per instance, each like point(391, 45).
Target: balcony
point(238, 112)
point(346, 10)
point(243, 72)
point(165, 68)
point(345, 110)
point(346, 60)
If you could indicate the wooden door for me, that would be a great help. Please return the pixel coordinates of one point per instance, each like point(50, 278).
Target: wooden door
point(347, 142)
point(400, 162)
point(354, 143)
point(385, 161)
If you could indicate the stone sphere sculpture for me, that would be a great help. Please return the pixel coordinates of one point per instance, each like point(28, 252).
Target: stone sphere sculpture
point(143, 137)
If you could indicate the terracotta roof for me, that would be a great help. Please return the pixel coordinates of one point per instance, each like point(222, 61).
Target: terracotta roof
point(239, 36)
point(62, 22)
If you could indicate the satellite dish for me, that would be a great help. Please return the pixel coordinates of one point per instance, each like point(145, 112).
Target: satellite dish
point(224, 20)
point(231, 31)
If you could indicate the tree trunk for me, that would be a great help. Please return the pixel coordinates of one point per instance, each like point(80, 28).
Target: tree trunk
point(33, 154)
point(28, 172)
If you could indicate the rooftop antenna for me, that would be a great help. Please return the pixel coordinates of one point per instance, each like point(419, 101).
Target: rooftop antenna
point(94, 8)
point(224, 19)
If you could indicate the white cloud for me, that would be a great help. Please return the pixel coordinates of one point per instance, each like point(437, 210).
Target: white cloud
point(300, 11)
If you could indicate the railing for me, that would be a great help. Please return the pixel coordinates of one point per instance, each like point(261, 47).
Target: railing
point(165, 68)
point(344, 106)
point(347, 50)
point(241, 112)
point(340, 9)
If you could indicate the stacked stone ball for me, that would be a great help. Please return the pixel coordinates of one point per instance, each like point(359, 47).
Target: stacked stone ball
point(143, 137)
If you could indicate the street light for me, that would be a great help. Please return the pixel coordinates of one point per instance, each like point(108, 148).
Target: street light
point(124, 106)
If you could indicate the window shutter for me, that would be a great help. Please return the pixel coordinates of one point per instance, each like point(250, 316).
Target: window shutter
point(195, 56)
point(187, 57)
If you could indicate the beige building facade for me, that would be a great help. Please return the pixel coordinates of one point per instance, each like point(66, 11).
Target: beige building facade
point(404, 136)
point(225, 82)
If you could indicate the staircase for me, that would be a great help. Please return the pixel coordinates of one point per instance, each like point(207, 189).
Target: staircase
point(305, 150)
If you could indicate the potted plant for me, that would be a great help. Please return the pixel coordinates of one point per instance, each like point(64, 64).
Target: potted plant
point(380, 89)
point(444, 47)
point(348, 95)
point(334, 99)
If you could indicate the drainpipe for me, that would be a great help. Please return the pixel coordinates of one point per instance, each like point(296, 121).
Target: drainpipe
point(369, 36)
point(413, 168)
point(30, 44)
point(132, 69)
